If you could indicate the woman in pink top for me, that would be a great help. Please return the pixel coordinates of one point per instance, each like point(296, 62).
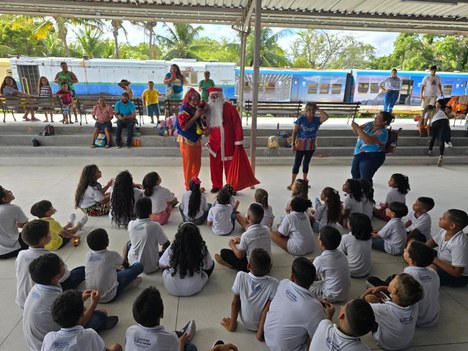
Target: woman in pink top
point(102, 114)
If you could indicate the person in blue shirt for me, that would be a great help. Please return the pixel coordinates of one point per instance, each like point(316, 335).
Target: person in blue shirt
point(303, 139)
point(126, 118)
point(369, 153)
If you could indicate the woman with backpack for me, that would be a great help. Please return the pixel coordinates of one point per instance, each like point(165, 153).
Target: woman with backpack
point(370, 150)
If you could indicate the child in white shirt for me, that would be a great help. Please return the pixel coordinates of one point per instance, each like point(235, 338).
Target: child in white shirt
point(36, 234)
point(12, 217)
point(396, 317)
point(334, 278)
point(90, 196)
point(352, 202)
point(419, 221)
point(392, 237)
point(328, 213)
point(261, 198)
point(256, 236)
point(368, 201)
point(357, 245)
point(148, 334)
point(183, 276)
point(163, 199)
point(294, 313)
point(295, 234)
point(452, 258)
point(399, 187)
point(355, 319)
point(194, 207)
point(145, 238)
point(221, 216)
point(253, 293)
point(68, 312)
point(101, 267)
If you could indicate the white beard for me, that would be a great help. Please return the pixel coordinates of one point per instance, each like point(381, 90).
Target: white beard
point(215, 113)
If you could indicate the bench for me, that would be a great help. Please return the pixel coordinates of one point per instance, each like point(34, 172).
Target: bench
point(20, 104)
point(85, 104)
point(349, 109)
point(171, 107)
point(275, 108)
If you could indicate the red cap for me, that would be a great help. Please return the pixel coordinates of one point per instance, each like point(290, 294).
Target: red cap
point(214, 89)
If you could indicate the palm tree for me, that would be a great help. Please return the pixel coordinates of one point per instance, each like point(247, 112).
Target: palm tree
point(179, 41)
point(271, 54)
point(149, 29)
point(116, 26)
point(89, 41)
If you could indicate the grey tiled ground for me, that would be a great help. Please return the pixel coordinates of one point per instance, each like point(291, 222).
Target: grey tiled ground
point(57, 183)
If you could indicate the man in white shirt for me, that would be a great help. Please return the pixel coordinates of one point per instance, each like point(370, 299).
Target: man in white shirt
point(391, 86)
point(294, 313)
point(430, 87)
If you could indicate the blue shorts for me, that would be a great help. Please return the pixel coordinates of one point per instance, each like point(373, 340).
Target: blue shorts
point(103, 126)
point(153, 110)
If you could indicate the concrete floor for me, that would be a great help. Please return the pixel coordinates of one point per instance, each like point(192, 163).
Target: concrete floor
point(57, 181)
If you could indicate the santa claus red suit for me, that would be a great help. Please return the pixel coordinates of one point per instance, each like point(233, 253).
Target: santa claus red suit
point(225, 130)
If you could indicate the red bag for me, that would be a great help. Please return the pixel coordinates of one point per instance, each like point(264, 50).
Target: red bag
point(240, 174)
point(392, 141)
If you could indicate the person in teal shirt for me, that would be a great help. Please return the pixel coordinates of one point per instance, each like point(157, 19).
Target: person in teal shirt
point(204, 85)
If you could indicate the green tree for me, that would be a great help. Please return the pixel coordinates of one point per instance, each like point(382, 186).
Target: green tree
point(116, 26)
point(180, 41)
point(89, 41)
point(18, 37)
point(271, 54)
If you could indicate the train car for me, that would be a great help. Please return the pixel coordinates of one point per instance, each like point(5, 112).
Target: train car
point(100, 76)
point(279, 84)
point(366, 86)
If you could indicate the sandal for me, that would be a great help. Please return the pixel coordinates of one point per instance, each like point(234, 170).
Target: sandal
point(107, 146)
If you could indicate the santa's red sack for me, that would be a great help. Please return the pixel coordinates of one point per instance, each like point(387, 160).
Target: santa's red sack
point(240, 174)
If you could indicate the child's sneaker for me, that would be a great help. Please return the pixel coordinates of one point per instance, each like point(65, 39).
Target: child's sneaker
point(71, 219)
point(83, 220)
point(190, 329)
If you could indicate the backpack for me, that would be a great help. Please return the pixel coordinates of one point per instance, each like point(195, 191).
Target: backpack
point(100, 140)
point(392, 141)
point(48, 130)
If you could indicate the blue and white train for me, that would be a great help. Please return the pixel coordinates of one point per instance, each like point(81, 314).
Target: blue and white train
point(100, 76)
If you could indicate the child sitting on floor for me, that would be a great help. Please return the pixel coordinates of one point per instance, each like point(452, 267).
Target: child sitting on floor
point(392, 237)
point(163, 199)
point(328, 213)
point(261, 198)
point(419, 221)
point(334, 278)
point(69, 313)
point(368, 202)
point(124, 194)
point(148, 334)
point(253, 293)
point(353, 200)
point(399, 187)
point(90, 196)
point(194, 207)
point(452, 259)
point(256, 236)
point(300, 187)
point(101, 268)
point(221, 216)
point(145, 238)
point(396, 317)
point(60, 235)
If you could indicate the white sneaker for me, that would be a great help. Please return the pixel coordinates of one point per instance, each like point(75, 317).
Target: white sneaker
point(190, 329)
point(449, 144)
point(71, 219)
point(83, 220)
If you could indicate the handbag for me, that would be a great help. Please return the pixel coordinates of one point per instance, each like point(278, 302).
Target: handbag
point(305, 144)
point(169, 91)
point(100, 140)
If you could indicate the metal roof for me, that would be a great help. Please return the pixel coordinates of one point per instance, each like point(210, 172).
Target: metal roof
point(430, 16)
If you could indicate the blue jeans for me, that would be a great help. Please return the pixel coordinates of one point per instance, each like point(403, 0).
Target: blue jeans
point(97, 320)
point(366, 164)
point(77, 275)
point(390, 99)
point(378, 244)
point(298, 159)
point(449, 280)
point(190, 347)
point(128, 275)
point(124, 124)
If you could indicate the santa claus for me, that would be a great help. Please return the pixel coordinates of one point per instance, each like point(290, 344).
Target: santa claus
point(225, 144)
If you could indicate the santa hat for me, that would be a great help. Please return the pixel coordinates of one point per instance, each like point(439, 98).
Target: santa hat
point(214, 90)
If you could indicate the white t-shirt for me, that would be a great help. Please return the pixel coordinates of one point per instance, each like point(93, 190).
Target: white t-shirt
point(37, 315)
point(358, 254)
point(293, 317)
point(268, 217)
point(351, 204)
point(438, 116)
point(138, 338)
point(396, 325)
point(187, 286)
point(394, 196)
point(429, 306)
point(220, 215)
point(333, 274)
point(394, 235)
point(423, 224)
point(392, 83)
point(159, 199)
point(75, 338)
point(101, 273)
point(328, 337)
point(24, 283)
point(145, 235)
point(367, 207)
point(137, 193)
point(453, 251)
point(431, 85)
point(296, 226)
point(10, 216)
point(254, 294)
point(256, 236)
point(91, 196)
point(321, 217)
point(184, 205)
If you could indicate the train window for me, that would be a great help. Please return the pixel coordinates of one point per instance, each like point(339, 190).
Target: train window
point(312, 88)
point(336, 89)
point(374, 88)
point(363, 88)
point(447, 89)
point(324, 88)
